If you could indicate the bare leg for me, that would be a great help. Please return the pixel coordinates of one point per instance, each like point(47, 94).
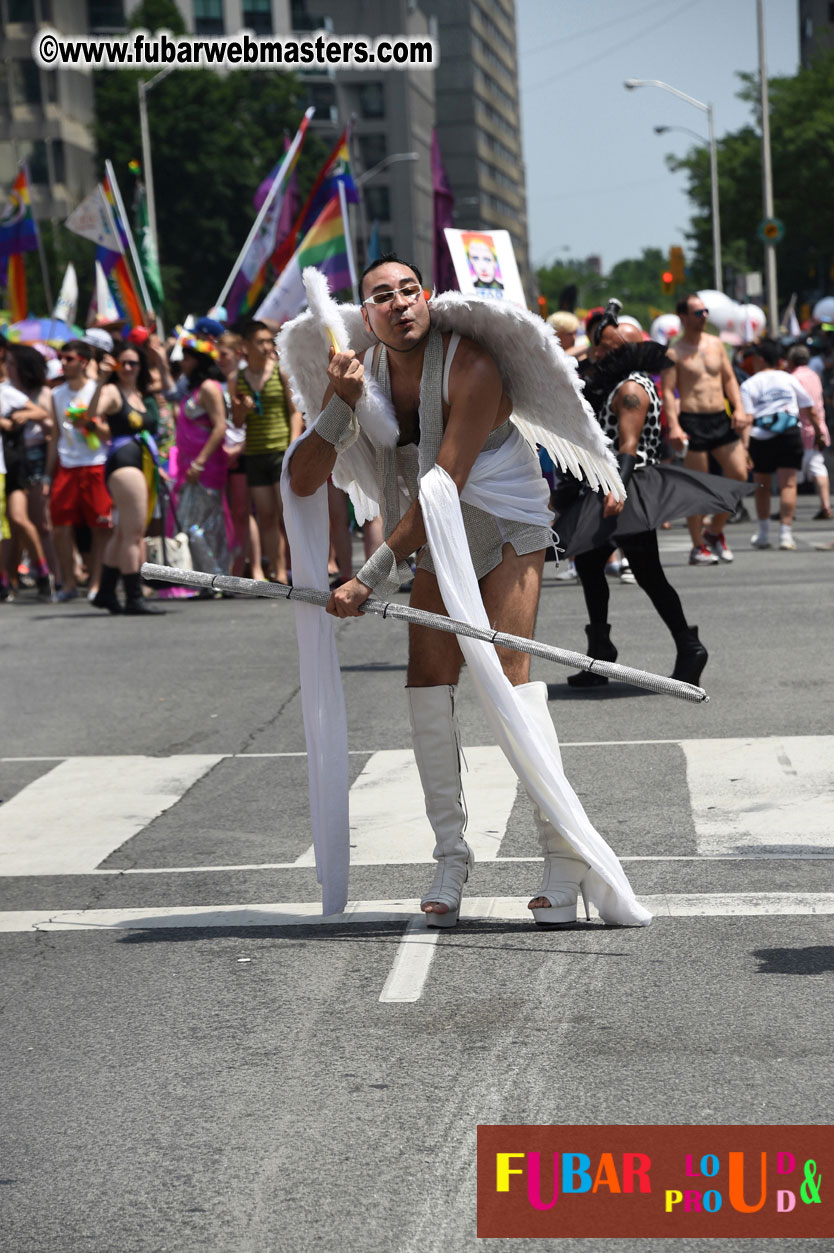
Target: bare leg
point(337, 504)
point(101, 535)
point(824, 492)
point(18, 515)
point(38, 498)
point(130, 496)
point(696, 461)
point(733, 461)
point(762, 482)
point(266, 510)
point(64, 544)
point(787, 496)
point(237, 492)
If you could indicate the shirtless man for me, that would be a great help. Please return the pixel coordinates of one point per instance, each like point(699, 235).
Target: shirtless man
point(507, 560)
point(698, 422)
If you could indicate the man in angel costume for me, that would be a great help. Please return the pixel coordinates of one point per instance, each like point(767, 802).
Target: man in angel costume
point(430, 412)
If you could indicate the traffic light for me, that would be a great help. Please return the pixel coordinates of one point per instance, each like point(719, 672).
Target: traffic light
point(668, 280)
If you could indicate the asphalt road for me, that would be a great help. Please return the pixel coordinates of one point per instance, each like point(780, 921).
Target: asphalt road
point(203, 1081)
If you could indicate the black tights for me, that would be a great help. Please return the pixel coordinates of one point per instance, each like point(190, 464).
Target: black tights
point(644, 559)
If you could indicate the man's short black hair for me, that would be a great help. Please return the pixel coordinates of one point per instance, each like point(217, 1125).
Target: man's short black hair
point(384, 260)
point(682, 307)
point(769, 351)
point(250, 329)
point(80, 347)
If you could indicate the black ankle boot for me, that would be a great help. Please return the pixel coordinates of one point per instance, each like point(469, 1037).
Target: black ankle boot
point(135, 604)
point(105, 597)
point(691, 657)
point(599, 647)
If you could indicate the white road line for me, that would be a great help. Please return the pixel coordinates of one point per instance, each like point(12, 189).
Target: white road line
point(307, 914)
point(754, 793)
point(74, 816)
point(411, 964)
point(388, 816)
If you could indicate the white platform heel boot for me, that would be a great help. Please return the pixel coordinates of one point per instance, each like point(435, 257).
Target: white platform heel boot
point(434, 731)
point(564, 869)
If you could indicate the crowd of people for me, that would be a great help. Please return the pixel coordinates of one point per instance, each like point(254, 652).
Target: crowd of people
point(118, 437)
point(113, 439)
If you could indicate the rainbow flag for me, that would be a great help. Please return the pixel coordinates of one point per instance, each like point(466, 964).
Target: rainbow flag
point(251, 278)
point(325, 246)
point(115, 267)
point(16, 286)
point(18, 231)
point(335, 171)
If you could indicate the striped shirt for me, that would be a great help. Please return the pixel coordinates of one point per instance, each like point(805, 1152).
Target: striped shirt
point(268, 423)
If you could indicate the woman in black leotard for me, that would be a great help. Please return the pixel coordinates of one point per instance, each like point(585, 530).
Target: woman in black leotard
point(126, 414)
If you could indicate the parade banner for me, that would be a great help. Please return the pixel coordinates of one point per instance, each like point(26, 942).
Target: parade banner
point(485, 265)
point(325, 246)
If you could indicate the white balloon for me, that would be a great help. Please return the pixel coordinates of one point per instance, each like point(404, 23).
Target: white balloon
point(824, 309)
point(751, 321)
point(627, 318)
point(725, 316)
point(714, 300)
point(666, 327)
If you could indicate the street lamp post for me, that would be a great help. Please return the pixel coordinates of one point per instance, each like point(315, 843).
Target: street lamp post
point(361, 179)
point(144, 88)
point(631, 83)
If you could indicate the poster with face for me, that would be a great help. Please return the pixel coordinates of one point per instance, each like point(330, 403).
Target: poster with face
point(485, 265)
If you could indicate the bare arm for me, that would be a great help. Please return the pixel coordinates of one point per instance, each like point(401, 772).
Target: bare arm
point(475, 393)
point(671, 404)
point(296, 420)
point(157, 352)
point(733, 393)
point(630, 405)
point(210, 398)
point(313, 461)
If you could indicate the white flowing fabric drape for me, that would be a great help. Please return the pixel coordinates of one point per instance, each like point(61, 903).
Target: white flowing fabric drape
point(500, 483)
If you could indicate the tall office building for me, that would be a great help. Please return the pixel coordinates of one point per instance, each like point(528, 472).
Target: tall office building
point(393, 112)
point(45, 115)
point(479, 117)
point(816, 29)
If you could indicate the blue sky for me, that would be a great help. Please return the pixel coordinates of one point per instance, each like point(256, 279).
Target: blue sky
point(596, 177)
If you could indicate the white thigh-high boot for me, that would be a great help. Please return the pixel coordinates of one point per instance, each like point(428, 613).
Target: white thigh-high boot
point(564, 869)
point(434, 731)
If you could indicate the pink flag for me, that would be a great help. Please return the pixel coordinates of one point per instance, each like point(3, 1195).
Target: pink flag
point(444, 203)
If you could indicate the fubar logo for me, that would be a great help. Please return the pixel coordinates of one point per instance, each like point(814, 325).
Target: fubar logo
point(647, 1181)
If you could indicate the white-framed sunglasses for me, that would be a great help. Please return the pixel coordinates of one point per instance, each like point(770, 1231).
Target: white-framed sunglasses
point(410, 293)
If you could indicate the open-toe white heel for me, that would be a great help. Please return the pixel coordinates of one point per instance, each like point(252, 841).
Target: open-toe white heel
point(564, 870)
point(447, 885)
point(437, 753)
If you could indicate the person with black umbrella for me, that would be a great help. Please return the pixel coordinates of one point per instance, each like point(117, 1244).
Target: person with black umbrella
point(628, 409)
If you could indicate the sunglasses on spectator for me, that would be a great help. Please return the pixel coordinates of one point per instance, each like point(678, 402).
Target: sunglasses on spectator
point(700, 313)
point(68, 356)
point(410, 293)
point(129, 364)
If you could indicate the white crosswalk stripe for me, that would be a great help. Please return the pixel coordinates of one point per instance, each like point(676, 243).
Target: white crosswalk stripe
point(754, 793)
point(387, 811)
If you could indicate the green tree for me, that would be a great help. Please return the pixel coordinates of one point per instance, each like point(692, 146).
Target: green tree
point(636, 282)
point(214, 138)
point(802, 149)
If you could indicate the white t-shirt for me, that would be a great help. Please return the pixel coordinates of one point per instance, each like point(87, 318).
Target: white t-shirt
point(10, 400)
point(773, 391)
point(73, 449)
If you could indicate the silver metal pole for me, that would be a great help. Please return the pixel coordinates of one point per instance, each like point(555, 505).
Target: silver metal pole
point(767, 180)
point(718, 268)
point(421, 617)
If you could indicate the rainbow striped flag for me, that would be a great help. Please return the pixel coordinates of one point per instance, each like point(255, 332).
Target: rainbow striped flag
point(251, 278)
point(334, 172)
point(18, 231)
point(115, 267)
point(325, 246)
